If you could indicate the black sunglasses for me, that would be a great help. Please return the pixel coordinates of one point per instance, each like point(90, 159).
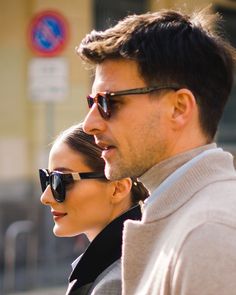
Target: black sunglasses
point(102, 99)
point(58, 181)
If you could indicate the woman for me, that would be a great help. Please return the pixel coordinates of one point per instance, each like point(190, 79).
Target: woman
point(82, 200)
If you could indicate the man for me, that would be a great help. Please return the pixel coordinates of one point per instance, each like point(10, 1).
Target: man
point(161, 83)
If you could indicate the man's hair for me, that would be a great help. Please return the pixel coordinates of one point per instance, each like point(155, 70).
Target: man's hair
point(172, 47)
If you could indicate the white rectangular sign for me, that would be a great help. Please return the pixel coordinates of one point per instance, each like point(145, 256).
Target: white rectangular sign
point(48, 79)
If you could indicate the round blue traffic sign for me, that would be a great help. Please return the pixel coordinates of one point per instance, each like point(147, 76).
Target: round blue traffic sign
point(48, 33)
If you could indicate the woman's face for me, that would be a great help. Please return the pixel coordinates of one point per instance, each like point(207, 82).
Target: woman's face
point(87, 207)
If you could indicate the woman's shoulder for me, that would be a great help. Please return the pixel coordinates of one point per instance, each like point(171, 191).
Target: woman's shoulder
point(109, 281)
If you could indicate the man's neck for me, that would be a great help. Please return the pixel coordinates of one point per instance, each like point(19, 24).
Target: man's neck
point(158, 173)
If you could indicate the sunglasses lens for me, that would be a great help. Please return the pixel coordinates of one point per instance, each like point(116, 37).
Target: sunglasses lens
point(90, 101)
point(103, 106)
point(44, 179)
point(102, 103)
point(58, 187)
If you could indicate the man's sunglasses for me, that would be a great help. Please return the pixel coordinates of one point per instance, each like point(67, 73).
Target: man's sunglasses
point(58, 181)
point(103, 99)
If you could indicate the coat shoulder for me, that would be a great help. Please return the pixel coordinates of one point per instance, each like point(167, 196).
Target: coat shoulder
point(109, 281)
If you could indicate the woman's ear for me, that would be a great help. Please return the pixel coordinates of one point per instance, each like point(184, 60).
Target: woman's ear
point(121, 191)
point(183, 107)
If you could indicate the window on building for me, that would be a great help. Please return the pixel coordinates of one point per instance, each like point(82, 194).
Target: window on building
point(227, 129)
point(107, 12)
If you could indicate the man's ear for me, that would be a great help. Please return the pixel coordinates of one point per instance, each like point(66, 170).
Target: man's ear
point(121, 190)
point(184, 107)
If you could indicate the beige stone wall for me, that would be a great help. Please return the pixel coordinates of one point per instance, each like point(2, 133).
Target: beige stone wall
point(14, 106)
point(26, 126)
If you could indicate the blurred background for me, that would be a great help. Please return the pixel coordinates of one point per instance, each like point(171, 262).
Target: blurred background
point(43, 90)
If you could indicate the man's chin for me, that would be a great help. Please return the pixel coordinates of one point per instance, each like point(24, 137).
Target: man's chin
point(111, 172)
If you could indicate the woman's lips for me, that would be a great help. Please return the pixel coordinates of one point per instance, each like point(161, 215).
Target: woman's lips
point(57, 215)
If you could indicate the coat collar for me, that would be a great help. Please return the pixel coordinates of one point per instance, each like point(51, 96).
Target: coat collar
point(103, 250)
point(208, 167)
point(158, 173)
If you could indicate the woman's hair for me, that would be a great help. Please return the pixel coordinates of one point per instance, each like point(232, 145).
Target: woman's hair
point(84, 144)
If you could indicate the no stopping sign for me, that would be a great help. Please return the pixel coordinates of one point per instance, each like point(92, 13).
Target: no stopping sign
point(48, 33)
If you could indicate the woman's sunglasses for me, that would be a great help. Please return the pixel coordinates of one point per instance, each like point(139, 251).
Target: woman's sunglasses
point(103, 99)
point(58, 181)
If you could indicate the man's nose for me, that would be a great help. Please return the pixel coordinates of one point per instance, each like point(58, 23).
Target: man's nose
point(93, 122)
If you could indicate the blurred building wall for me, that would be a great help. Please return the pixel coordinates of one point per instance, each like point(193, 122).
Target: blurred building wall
point(27, 126)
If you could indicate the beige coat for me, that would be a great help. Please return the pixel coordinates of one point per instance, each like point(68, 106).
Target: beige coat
point(186, 241)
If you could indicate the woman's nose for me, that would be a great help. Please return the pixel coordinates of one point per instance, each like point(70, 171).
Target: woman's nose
point(47, 197)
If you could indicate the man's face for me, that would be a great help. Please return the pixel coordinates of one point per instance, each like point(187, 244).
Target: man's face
point(135, 137)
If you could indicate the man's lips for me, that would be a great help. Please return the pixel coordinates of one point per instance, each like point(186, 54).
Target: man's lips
point(103, 145)
point(107, 153)
point(107, 148)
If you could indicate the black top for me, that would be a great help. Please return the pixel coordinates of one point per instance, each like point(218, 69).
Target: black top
point(103, 250)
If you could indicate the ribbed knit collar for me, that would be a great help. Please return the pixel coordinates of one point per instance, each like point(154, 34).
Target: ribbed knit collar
point(103, 250)
point(210, 166)
point(158, 173)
